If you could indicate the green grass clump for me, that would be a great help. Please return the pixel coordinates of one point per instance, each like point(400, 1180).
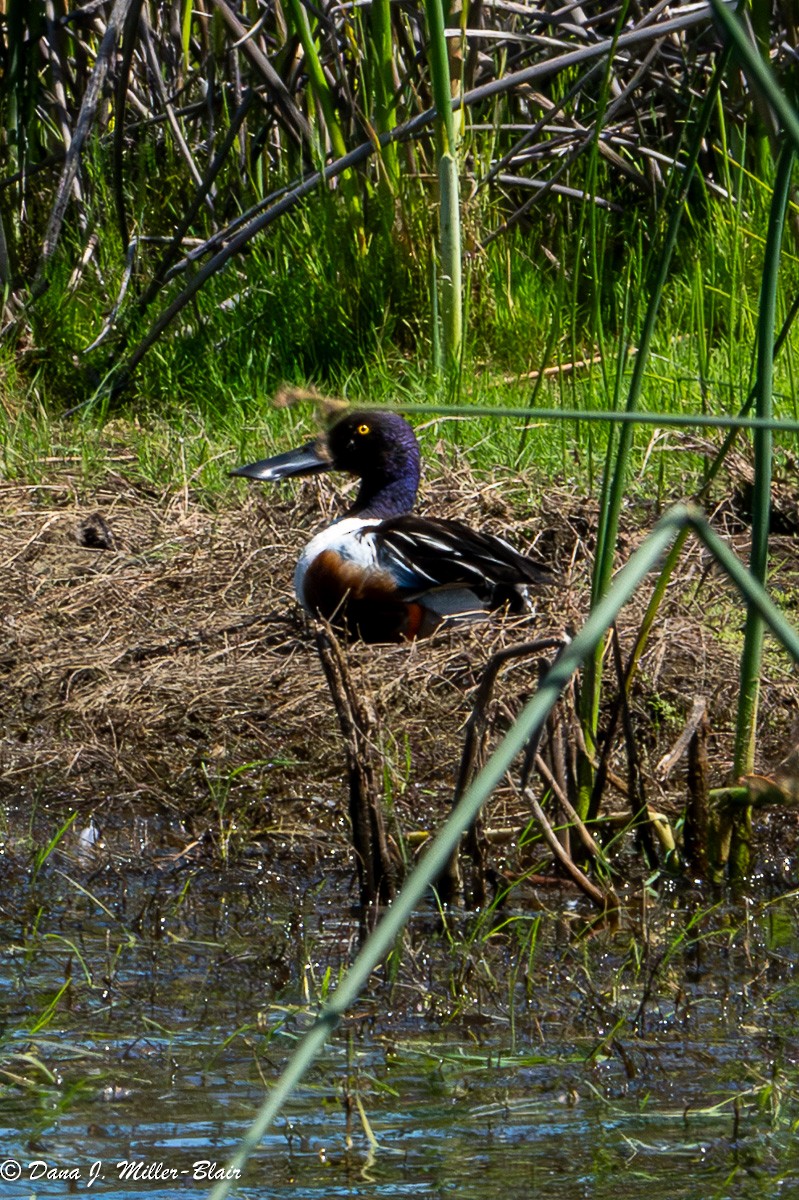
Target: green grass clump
point(303, 308)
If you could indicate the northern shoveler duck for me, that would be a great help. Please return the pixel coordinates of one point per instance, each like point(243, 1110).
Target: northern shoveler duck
point(380, 573)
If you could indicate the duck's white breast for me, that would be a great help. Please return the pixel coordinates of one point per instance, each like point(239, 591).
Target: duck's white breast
point(349, 538)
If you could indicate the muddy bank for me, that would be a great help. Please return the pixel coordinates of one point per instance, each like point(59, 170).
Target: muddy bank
point(150, 649)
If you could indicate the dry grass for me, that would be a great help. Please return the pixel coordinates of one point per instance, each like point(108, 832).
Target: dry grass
point(141, 677)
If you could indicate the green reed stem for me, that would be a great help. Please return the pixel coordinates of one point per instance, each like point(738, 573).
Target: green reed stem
point(751, 657)
point(316, 75)
point(324, 97)
point(381, 50)
point(450, 250)
point(613, 496)
point(758, 71)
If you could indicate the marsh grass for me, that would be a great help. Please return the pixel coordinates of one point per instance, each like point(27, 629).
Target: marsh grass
point(288, 317)
point(340, 292)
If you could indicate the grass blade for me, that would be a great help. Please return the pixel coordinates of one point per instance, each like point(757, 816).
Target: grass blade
point(613, 496)
point(752, 654)
point(757, 70)
point(448, 187)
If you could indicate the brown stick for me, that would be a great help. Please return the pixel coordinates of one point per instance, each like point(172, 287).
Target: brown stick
point(605, 899)
point(670, 760)
point(377, 870)
point(570, 812)
point(695, 830)
point(450, 882)
point(637, 795)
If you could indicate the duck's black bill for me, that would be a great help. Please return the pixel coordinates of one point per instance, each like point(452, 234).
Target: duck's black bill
point(306, 461)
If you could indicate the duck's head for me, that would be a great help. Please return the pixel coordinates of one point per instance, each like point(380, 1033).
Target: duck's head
point(379, 447)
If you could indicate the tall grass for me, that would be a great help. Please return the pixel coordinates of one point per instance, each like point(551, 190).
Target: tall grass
point(207, 150)
point(617, 463)
point(448, 186)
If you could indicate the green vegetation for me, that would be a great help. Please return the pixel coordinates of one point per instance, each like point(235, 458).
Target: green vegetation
point(161, 219)
point(528, 727)
point(195, 213)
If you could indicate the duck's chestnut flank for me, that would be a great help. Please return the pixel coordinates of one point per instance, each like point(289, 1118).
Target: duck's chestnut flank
point(380, 573)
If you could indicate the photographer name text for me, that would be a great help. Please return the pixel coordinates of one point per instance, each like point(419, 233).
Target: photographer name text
point(126, 1170)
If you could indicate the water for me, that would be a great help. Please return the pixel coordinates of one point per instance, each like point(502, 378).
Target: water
point(147, 1007)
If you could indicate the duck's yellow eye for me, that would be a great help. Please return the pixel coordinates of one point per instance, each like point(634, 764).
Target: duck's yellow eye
point(363, 430)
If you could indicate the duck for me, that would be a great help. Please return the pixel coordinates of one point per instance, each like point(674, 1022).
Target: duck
point(381, 573)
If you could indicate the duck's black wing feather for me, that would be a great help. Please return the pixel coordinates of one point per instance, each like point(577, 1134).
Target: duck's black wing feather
point(428, 554)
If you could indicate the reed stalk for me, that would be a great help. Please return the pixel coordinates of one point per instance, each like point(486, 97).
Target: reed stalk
point(762, 440)
point(380, 51)
point(758, 71)
point(323, 95)
point(617, 464)
point(450, 251)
